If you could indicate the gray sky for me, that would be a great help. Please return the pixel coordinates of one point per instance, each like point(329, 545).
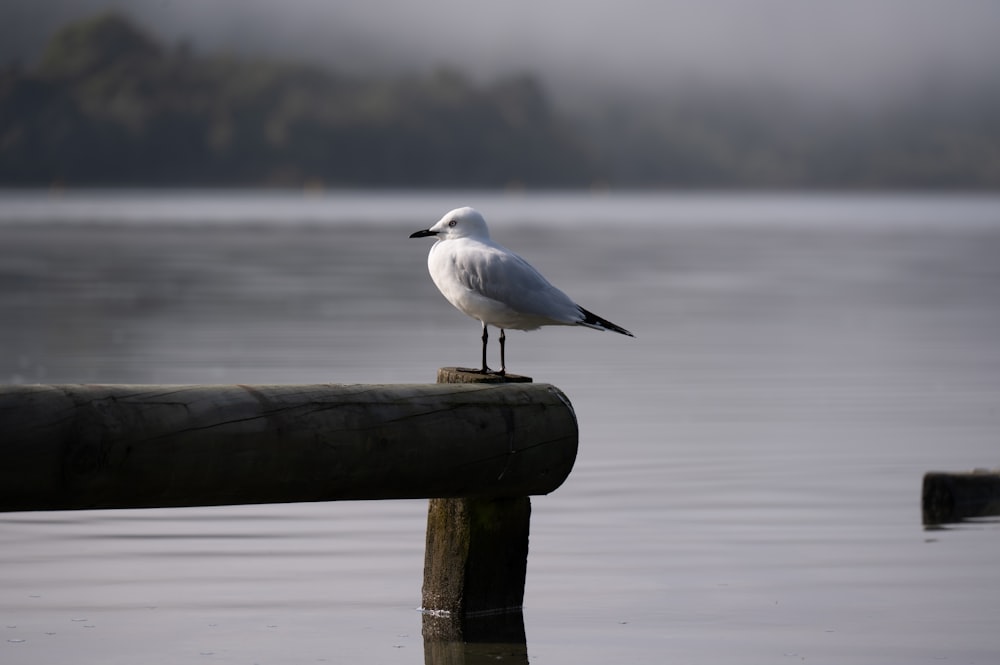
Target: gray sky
point(831, 48)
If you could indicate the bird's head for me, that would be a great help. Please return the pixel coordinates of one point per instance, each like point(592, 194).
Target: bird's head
point(459, 223)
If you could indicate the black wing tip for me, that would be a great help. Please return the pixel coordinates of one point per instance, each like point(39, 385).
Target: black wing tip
point(594, 321)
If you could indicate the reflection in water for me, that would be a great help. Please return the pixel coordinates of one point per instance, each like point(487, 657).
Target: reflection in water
point(477, 640)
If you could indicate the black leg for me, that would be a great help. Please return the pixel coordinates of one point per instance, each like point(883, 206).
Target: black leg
point(503, 361)
point(486, 336)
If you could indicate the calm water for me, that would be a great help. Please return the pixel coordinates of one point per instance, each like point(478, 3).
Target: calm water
point(748, 483)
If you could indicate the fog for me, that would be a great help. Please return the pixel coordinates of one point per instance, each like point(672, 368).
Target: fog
point(844, 50)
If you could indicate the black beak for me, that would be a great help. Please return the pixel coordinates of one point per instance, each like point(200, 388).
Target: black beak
point(423, 234)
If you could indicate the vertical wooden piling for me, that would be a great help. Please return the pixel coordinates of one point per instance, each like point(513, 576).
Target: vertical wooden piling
point(477, 549)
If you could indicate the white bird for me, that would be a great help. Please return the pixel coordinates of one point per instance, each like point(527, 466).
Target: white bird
point(494, 285)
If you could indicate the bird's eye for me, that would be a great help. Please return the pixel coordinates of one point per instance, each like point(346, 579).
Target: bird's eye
point(452, 223)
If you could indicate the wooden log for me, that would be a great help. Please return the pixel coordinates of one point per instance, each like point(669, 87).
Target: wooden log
point(99, 446)
point(952, 497)
point(477, 550)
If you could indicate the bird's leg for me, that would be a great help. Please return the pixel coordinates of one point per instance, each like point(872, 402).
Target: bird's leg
point(486, 336)
point(503, 362)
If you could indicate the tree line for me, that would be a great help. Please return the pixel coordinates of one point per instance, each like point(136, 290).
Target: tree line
point(109, 104)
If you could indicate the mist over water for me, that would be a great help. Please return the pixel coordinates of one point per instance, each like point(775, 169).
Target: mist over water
point(766, 95)
point(856, 51)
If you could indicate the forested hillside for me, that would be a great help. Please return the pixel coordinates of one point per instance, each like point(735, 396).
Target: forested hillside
point(109, 104)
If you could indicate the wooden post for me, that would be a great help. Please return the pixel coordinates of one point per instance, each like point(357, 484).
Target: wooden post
point(90, 446)
point(952, 497)
point(476, 557)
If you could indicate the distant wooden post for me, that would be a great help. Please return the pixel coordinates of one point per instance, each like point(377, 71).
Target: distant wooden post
point(952, 497)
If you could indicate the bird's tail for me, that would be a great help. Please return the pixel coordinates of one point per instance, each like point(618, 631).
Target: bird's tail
point(591, 320)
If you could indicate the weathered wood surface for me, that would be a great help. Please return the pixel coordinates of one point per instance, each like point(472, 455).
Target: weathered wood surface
point(102, 446)
point(952, 497)
point(466, 375)
point(476, 556)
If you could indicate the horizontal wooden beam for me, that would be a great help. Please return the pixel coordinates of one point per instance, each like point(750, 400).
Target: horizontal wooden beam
point(134, 446)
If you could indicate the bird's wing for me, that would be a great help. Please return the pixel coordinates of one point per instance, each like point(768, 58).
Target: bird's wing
point(505, 277)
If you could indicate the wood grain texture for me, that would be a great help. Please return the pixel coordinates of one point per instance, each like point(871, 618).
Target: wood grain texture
point(476, 555)
point(133, 446)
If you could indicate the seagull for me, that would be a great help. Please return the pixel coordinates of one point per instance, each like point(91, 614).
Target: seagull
point(494, 285)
